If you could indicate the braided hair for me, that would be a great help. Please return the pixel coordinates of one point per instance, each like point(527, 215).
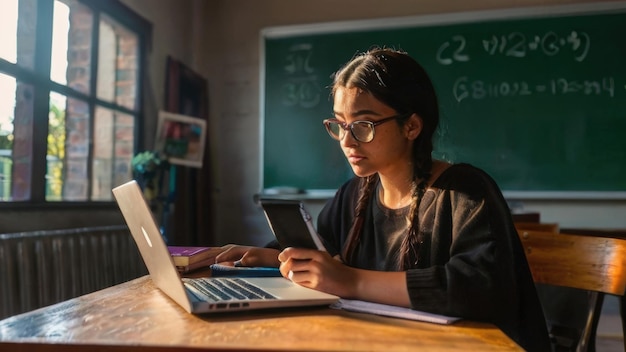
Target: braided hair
point(397, 80)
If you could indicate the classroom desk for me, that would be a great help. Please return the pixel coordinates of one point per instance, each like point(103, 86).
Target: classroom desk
point(137, 316)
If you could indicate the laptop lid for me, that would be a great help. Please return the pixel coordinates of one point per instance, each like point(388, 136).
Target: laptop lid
point(151, 245)
point(156, 256)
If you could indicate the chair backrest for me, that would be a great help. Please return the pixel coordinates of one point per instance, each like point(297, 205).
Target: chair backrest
point(537, 226)
point(590, 263)
point(526, 217)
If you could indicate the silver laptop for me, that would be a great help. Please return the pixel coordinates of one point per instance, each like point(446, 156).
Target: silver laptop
point(205, 295)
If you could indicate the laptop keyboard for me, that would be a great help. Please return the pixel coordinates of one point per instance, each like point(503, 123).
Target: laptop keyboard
point(225, 289)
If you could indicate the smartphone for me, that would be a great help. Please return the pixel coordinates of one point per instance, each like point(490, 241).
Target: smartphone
point(291, 224)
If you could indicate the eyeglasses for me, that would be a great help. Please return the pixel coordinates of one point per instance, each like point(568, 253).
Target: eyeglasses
point(362, 131)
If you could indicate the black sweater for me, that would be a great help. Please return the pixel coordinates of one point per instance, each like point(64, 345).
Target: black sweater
point(471, 265)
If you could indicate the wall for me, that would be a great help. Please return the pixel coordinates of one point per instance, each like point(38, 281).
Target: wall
point(229, 57)
point(172, 32)
point(220, 40)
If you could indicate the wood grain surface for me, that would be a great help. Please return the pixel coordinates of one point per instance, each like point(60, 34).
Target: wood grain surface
point(137, 316)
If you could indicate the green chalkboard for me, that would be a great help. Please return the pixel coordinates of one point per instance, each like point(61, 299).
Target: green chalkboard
point(535, 98)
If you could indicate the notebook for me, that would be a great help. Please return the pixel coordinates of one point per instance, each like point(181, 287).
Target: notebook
point(205, 295)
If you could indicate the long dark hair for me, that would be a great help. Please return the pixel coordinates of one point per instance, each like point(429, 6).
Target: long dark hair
point(397, 80)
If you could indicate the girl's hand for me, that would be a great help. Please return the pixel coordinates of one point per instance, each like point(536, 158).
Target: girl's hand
point(318, 270)
point(236, 255)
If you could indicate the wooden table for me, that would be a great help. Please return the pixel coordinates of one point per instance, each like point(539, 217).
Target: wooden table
point(137, 316)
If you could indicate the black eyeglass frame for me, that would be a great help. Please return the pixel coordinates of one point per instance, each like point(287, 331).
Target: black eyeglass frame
point(372, 125)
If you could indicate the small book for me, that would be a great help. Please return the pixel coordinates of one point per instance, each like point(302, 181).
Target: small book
point(392, 311)
point(185, 256)
point(244, 271)
point(183, 269)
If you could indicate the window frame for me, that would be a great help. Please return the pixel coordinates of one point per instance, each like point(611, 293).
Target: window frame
point(39, 78)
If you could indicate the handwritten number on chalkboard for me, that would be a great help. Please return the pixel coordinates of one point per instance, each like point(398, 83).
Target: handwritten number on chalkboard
point(563, 86)
point(305, 93)
point(297, 61)
point(515, 44)
point(582, 42)
point(302, 88)
point(517, 49)
point(478, 89)
point(458, 47)
point(460, 89)
point(549, 45)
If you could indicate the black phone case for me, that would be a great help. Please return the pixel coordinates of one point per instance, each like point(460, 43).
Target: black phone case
point(288, 224)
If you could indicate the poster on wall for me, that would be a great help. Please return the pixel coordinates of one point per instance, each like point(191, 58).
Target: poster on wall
point(181, 138)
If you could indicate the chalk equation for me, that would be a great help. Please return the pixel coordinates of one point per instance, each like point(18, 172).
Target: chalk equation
point(517, 45)
point(301, 87)
point(464, 88)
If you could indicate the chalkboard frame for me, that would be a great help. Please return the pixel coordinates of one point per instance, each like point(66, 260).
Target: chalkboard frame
point(424, 21)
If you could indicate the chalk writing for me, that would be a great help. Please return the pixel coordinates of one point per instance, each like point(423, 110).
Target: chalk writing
point(451, 51)
point(464, 88)
point(517, 45)
point(301, 87)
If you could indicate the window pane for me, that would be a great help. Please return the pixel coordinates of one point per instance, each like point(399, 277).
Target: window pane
point(56, 147)
point(78, 129)
point(16, 131)
point(113, 151)
point(118, 62)
point(91, 135)
point(68, 149)
point(71, 45)
point(17, 30)
point(7, 109)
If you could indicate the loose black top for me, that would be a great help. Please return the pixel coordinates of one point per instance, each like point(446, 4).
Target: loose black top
point(471, 265)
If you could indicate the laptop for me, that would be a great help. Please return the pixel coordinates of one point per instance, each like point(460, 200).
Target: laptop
point(205, 295)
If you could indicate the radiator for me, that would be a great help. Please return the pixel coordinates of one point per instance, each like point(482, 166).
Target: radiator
point(40, 268)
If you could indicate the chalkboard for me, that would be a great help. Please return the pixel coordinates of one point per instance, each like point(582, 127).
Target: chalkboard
point(537, 98)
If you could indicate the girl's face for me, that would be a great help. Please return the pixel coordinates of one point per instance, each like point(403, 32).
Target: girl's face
point(390, 150)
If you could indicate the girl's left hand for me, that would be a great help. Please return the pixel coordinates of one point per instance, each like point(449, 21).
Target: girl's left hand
point(248, 256)
point(318, 270)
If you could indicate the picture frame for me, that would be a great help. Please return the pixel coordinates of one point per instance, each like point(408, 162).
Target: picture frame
point(181, 139)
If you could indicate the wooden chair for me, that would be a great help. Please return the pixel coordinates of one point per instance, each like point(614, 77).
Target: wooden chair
point(592, 263)
point(537, 226)
point(526, 217)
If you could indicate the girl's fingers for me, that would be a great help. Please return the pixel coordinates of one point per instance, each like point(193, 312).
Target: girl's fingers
point(303, 278)
point(299, 253)
point(257, 256)
point(231, 253)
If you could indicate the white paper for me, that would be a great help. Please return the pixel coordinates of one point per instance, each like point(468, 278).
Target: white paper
point(392, 311)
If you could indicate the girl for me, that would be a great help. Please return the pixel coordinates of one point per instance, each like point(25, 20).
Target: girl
point(409, 230)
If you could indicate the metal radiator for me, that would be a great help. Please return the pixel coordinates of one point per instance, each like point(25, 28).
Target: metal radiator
point(45, 267)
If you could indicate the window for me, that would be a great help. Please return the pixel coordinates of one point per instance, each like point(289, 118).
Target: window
point(70, 108)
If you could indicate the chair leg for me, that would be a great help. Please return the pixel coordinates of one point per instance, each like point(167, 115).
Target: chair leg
point(587, 341)
point(622, 312)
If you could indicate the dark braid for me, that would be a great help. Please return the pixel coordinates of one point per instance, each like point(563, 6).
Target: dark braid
point(366, 189)
point(397, 80)
point(411, 244)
